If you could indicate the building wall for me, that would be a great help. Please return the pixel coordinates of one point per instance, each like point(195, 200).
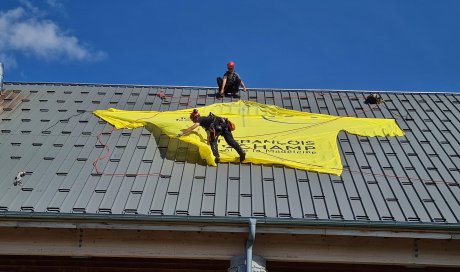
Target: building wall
point(192, 245)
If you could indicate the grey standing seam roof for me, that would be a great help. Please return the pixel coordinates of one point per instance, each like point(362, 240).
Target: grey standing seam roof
point(49, 131)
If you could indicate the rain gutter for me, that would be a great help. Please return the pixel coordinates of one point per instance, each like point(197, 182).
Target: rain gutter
point(214, 223)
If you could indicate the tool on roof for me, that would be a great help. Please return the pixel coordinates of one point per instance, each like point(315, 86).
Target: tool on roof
point(161, 95)
point(18, 178)
point(374, 99)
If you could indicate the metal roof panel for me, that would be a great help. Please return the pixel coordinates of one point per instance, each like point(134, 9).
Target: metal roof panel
point(48, 130)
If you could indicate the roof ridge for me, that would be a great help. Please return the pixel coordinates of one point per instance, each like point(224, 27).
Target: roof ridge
point(215, 87)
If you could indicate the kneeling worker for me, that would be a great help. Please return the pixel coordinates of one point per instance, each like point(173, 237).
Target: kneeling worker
point(231, 82)
point(214, 126)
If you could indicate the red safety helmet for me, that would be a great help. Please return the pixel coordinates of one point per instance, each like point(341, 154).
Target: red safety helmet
point(230, 65)
point(194, 115)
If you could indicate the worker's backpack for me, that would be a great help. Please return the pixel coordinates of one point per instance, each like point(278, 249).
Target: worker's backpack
point(231, 125)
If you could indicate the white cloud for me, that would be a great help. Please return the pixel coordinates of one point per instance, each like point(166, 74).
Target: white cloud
point(23, 31)
point(8, 60)
point(31, 8)
point(57, 7)
point(55, 4)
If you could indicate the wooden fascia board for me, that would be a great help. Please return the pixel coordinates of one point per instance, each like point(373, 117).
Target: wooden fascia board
point(222, 246)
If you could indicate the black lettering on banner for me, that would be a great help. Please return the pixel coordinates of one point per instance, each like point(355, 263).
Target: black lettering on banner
point(259, 146)
point(274, 146)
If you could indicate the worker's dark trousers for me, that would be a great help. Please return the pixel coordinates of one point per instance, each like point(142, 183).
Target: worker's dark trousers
point(228, 138)
point(229, 88)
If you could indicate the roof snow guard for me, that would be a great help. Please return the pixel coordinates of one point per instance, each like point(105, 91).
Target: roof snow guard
point(48, 132)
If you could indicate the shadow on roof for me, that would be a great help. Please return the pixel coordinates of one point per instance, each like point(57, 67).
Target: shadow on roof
point(174, 149)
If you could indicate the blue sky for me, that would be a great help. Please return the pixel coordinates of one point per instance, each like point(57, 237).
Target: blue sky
point(410, 45)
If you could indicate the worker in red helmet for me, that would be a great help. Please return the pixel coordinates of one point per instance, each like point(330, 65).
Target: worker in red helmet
point(230, 83)
point(214, 126)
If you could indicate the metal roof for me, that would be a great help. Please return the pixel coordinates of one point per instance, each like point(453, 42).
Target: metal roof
point(48, 131)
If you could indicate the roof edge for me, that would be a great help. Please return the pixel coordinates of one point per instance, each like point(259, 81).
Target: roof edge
point(74, 220)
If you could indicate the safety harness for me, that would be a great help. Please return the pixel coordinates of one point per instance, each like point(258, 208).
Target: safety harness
point(218, 125)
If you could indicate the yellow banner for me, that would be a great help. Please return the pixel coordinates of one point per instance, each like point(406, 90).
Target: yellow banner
point(269, 134)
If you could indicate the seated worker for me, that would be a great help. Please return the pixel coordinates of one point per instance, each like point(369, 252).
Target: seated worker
point(231, 82)
point(214, 126)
